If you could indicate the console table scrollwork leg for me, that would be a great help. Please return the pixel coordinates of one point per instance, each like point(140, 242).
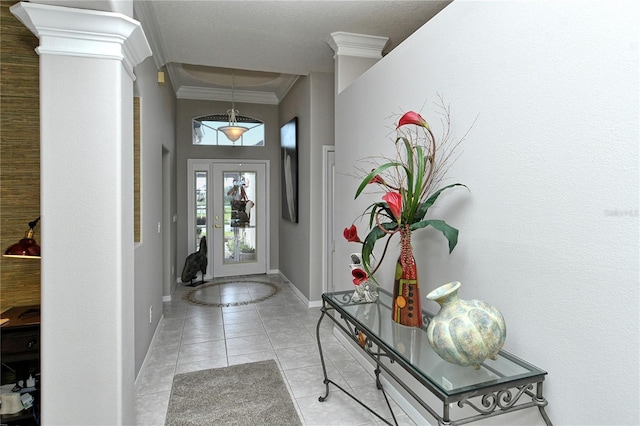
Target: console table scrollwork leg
point(445, 420)
point(386, 399)
point(324, 368)
point(377, 373)
point(541, 402)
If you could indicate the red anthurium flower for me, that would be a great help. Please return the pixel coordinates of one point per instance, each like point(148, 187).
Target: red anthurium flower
point(412, 117)
point(394, 200)
point(359, 276)
point(351, 234)
point(377, 179)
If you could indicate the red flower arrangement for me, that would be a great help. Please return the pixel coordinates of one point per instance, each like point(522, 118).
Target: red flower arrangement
point(351, 234)
point(409, 183)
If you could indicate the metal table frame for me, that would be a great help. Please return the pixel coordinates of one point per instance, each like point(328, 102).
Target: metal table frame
point(494, 398)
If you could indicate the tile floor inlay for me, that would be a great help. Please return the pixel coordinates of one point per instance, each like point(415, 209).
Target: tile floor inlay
point(227, 294)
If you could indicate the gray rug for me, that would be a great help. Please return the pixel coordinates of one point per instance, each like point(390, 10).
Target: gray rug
point(244, 394)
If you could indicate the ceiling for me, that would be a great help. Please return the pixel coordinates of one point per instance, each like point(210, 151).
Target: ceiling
point(259, 47)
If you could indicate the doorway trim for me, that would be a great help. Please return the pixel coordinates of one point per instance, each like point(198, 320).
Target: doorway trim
point(191, 201)
point(168, 283)
point(328, 240)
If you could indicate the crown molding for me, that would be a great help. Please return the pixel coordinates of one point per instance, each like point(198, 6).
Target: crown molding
point(144, 12)
point(214, 94)
point(87, 33)
point(360, 45)
point(248, 96)
point(287, 83)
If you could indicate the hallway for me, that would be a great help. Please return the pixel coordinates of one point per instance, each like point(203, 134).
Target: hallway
point(192, 337)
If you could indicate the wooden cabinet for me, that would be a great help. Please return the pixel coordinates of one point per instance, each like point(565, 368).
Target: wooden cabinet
point(20, 355)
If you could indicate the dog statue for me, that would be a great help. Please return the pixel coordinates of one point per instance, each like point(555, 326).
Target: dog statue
point(195, 262)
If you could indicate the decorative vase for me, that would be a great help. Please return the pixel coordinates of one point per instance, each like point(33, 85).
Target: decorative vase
point(406, 309)
point(464, 332)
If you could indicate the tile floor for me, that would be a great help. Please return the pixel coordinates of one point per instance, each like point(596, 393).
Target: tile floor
point(194, 337)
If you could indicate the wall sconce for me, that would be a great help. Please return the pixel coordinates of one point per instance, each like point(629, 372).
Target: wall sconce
point(26, 248)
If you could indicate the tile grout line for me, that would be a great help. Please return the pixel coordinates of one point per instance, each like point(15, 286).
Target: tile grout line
point(304, 317)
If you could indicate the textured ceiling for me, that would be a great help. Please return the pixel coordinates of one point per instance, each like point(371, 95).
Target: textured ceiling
point(264, 45)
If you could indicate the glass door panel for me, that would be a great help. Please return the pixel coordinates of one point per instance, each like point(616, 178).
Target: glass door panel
point(240, 234)
point(199, 212)
point(240, 204)
point(228, 204)
point(201, 207)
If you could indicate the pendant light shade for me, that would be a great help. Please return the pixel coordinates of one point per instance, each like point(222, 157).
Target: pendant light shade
point(26, 248)
point(233, 132)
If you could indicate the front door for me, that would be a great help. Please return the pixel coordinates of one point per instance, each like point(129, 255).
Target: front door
point(230, 208)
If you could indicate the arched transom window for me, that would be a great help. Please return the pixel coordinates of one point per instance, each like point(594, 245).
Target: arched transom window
point(206, 131)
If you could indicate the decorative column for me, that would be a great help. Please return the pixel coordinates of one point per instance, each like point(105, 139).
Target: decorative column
point(86, 138)
point(354, 54)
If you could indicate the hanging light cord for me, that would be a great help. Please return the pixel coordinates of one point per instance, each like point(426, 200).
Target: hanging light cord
point(232, 112)
point(34, 223)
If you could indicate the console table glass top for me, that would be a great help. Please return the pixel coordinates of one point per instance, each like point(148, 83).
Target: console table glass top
point(410, 345)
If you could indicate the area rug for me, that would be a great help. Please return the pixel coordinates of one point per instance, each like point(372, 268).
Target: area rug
point(245, 394)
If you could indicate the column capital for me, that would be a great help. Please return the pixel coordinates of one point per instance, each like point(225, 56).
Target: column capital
point(87, 33)
point(360, 45)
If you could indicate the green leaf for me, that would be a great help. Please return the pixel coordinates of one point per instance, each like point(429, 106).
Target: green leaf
point(370, 242)
point(409, 149)
point(422, 209)
point(373, 208)
point(449, 232)
point(371, 175)
point(420, 161)
point(379, 207)
point(408, 167)
point(413, 207)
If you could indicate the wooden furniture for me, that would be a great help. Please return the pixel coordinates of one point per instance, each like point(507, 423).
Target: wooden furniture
point(505, 385)
point(20, 348)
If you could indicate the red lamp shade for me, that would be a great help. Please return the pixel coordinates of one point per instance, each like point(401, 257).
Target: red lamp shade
point(27, 247)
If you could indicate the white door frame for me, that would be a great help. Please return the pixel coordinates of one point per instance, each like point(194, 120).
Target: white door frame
point(168, 268)
point(208, 165)
point(328, 240)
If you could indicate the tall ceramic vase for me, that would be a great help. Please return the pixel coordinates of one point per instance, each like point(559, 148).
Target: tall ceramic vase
point(406, 309)
point(464, 332)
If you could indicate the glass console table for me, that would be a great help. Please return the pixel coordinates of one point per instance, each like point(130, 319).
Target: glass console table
point(502, 386)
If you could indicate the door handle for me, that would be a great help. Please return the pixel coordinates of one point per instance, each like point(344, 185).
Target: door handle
point(217, 226)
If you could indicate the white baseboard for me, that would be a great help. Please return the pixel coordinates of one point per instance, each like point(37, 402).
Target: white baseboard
point(293, 288)
point(310, 304)
point(151, 345)
point(389, 388)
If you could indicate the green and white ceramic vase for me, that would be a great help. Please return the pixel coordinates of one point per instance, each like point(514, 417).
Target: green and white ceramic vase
point(464, 332)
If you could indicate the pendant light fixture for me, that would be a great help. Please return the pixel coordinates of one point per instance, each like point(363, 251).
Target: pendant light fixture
point(26, 248)
point(233, 131)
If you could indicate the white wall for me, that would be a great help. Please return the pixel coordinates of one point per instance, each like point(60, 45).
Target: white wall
point(549, 229)
point(322, 134)
point(157, 130)
point(295, 237)
point(311, 100)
